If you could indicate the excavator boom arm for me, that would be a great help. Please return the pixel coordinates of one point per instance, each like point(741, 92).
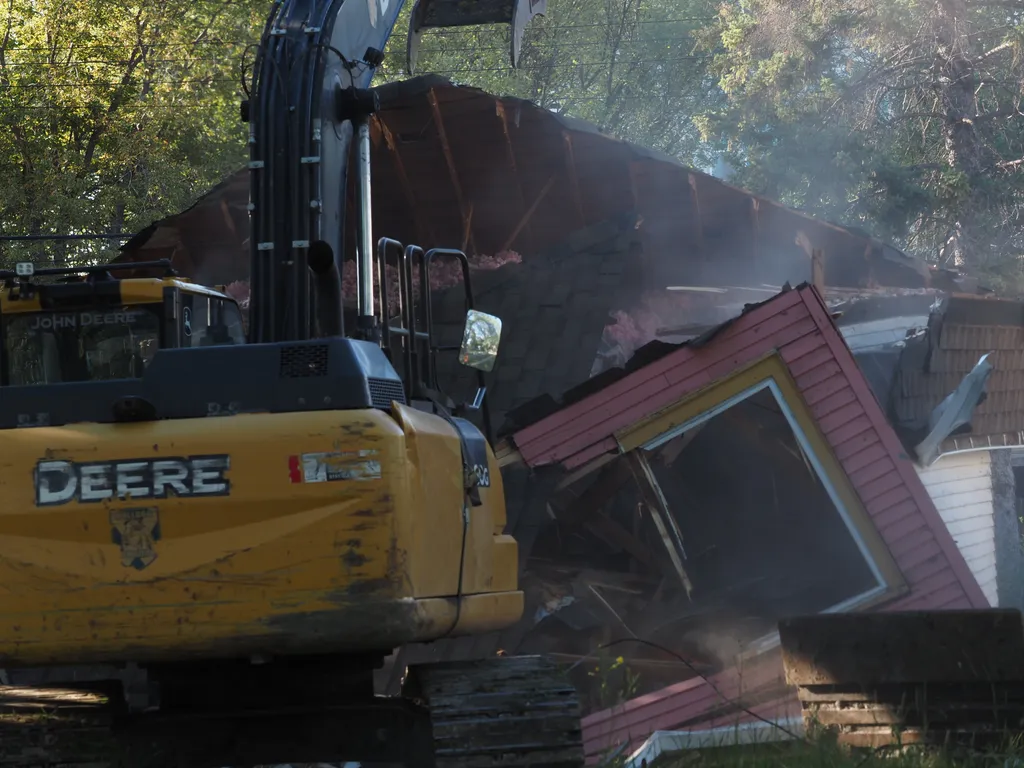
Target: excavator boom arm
point(316, 60)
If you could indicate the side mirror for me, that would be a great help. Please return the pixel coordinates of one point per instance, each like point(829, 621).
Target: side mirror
point(480, 341)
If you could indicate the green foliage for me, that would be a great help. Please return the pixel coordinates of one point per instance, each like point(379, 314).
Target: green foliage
point(112, 115)
point(629, 66)
point(902, 117)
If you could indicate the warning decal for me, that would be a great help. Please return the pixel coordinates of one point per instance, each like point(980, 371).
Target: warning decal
point(332, 467)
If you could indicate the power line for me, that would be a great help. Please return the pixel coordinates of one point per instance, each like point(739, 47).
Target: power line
point(213, 80)
point(423, 51)
point(400, 35)
point(36, 238)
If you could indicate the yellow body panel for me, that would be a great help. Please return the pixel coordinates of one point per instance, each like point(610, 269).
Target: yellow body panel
point(285, 563)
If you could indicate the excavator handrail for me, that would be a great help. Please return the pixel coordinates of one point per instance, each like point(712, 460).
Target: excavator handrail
point(10, 274)
point(421, 377)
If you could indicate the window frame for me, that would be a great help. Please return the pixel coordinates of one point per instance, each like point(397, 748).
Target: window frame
point(770, 372)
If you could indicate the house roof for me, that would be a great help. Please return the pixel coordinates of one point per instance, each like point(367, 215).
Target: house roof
point(960, 331)
point(795, 326)
point(455, 165)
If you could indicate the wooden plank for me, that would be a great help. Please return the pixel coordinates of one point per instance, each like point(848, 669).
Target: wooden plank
point(889, 499)
point(938, 581)
point(499, 108)
point(905, 526)
point(574, 182)
point(591, 466)
point(818, 270)
point(876, 488)
point(423, 226)
point(467, 228)
point(840, 418)
point(826, 387)
point(937, 716)
point(938, 473)
point(898, 648)
point(896, 513)
point(872, 472)
point(923, 570)
point(525, 219)
point(660, 513)
point(449, 159)
point(607, 529)
point(984, 535)
point(841, 436)
point(834, 402)
point(978, 550)
point(980, 484)
point(863, 458)
point(825, 370)
point(730, 359)
point(806, 354)
point(698, 219)
point(915, 541)
point(924, 553)
point(970, 525)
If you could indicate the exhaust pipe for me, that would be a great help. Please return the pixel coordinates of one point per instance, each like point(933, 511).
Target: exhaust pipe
point(366, 250)
point(327, 289)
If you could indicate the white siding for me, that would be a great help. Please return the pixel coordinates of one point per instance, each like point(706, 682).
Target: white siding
point(961, 487)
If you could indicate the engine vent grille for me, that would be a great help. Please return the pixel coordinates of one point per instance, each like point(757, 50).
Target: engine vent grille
point(383, 392)
point(307, 361)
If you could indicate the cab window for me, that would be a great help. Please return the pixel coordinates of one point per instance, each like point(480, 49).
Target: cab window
point(209, 320)
point(90, 345)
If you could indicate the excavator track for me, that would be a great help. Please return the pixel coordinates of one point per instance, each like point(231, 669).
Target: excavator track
point(500, 713)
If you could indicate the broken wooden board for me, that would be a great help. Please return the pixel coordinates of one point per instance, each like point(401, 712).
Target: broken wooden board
point(929, 677)
point(908, 647)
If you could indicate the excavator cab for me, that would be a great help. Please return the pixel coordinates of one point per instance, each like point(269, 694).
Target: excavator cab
point(83, 324)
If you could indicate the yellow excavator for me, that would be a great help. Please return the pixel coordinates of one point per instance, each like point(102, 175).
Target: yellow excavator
point(258, 520)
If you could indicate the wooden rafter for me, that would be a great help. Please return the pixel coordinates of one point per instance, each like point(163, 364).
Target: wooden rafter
point(755, 229)
point(585, 512)
point(450, 161)
point(423, 228)
point(586, 469)
point(697, 217)
point(574, 182)
point(499, 109)
point(817, 258)
point(467, 228)
point(660, 514)
point(529, 213)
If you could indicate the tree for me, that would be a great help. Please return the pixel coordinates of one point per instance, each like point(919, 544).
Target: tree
point(114, 115)
point(629, 66)
point(902, 116)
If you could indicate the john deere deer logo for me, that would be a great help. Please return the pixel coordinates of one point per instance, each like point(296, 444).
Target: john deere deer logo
point(136, 532)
